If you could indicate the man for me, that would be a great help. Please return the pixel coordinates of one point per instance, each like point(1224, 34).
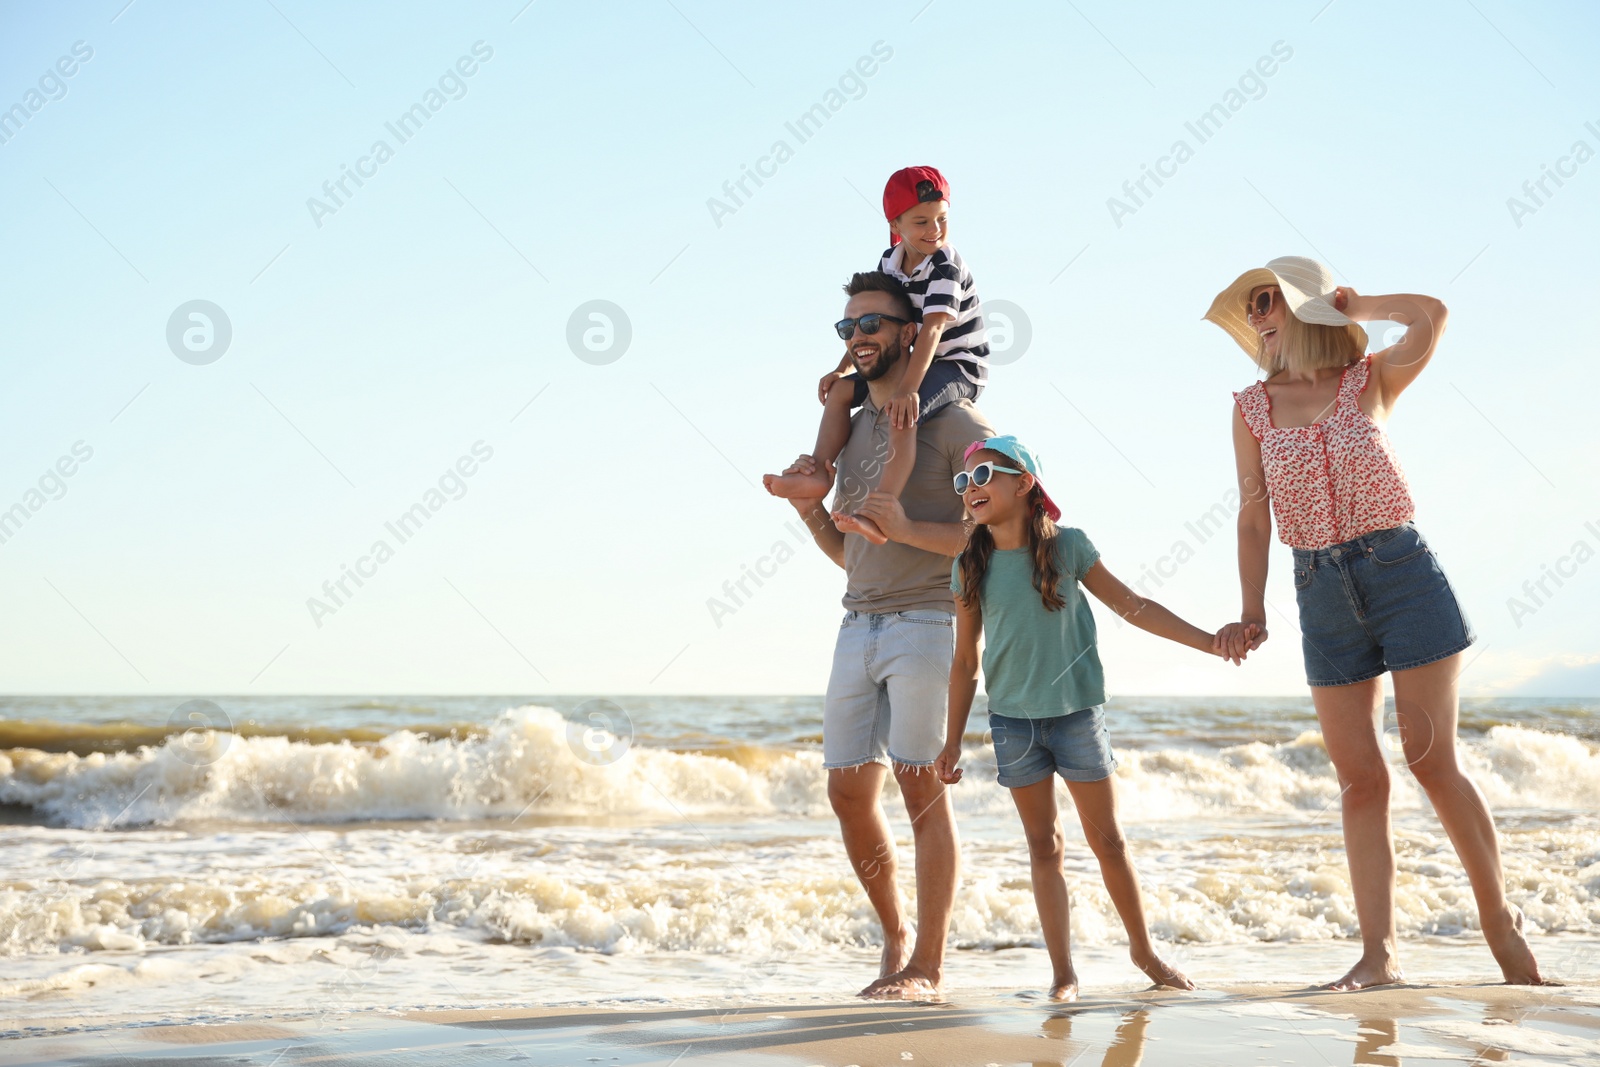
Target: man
point(886, 695)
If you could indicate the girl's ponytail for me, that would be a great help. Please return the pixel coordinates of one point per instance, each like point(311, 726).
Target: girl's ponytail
point(1042, 540)
point(975, 562)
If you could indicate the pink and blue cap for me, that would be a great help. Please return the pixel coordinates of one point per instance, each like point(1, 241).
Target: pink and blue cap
point(1020, 454)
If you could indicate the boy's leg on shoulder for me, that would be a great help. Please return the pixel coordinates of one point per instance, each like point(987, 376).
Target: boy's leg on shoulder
point(902, 458)
point(944, 384)
point(835, 428)
point(831, 437)
point(849, 523)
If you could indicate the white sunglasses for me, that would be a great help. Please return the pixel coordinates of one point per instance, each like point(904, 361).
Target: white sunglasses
point(980, 475)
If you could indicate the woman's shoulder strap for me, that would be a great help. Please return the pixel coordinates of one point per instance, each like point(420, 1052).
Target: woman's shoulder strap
point(1354, 381)
point(1256, 407)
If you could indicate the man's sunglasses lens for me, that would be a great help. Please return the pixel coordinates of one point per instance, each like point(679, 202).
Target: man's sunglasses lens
point(869, 324)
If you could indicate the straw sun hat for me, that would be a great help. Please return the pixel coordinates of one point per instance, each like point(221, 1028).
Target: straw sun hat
point(1307, 288)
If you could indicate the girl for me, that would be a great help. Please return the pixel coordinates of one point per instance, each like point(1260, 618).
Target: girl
point(1371, 595)
point(1018, 577)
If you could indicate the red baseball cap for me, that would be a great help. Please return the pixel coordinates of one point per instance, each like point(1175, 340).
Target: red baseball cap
point(908, 187)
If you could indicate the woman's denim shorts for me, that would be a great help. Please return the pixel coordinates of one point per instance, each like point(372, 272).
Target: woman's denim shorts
point(1075, 746)
point(1377, 603)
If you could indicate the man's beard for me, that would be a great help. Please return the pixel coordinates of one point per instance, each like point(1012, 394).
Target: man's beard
point(888, 356)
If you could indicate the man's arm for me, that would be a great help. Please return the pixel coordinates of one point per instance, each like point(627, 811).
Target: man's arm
point(823, 531)
point(815, 515)
point(955, 430)
point(942, 538)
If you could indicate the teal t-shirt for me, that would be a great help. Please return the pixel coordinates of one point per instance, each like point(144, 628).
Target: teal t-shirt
point(1037, 663)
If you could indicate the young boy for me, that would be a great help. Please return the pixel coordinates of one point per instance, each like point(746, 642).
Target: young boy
point(948, 362)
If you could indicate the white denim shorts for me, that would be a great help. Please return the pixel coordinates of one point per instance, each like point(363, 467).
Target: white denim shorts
point(886, 695)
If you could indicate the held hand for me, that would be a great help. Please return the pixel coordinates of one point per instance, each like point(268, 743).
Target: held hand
point(1221, 641)
point(805, 464)
point(945, 765)
point(806, 502)
point(1237, 640)
point(825, 385)
point(903, 409)
point(1255, 632)
point(1232, 643)
point(1342, 297)
point(885, 510)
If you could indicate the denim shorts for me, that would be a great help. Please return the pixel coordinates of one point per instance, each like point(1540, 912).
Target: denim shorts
point(1377, 603)
point(944, 384)
point(886, 695)
point(1075, 746)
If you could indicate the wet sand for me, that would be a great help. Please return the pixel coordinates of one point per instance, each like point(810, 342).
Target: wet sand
point(1238, 1025)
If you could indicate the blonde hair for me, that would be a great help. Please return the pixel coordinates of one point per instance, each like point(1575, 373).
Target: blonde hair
point(1304, 346)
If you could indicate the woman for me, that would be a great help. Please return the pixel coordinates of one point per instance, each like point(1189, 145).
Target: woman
point(1371, 595)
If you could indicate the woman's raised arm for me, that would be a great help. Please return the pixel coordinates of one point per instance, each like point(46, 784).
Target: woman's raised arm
point(1424, 318)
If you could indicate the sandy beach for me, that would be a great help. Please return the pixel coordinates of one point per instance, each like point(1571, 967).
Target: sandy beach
point(1242, 1024)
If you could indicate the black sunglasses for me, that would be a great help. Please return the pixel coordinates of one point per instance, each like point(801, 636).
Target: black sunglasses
point(870, 324)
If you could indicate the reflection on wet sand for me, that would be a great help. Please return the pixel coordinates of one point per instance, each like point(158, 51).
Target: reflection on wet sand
point(1475, 1026)
point(1125, 1050)
point(1241, 1026)
point(1372, 1036)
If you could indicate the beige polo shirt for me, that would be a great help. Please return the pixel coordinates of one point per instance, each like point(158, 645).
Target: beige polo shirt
point(896, 577)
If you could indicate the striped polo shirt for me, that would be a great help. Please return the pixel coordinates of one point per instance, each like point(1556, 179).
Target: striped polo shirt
point(942, 282)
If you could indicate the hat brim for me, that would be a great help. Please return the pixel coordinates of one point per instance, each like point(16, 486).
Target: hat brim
point(1051, 508)
point(1228, 310)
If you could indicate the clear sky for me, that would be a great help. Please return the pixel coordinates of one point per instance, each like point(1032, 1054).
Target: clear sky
point(560, 154)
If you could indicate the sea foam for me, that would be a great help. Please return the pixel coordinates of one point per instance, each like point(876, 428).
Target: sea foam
point(530, 761)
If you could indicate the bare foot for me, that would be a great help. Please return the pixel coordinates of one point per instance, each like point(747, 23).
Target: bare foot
point(908, 983)
point(859, 524)
point(1064, 989)
point(1383, 970)
point(1162, 973)
point(798, 486)
point(896, 952)
point(1511, 951)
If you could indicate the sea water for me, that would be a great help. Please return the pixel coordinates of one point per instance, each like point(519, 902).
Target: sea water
point(321, 855)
